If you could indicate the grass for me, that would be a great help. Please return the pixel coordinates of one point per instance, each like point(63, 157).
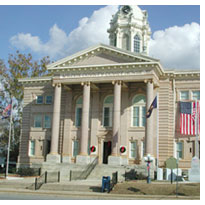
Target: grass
point(142, 188)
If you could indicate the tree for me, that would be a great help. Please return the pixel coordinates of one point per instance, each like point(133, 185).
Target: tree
point(19, 66)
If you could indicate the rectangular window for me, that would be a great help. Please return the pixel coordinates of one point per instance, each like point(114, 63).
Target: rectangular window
point(47, 121)
point(75, 148)
point(133, 151)
point(39, 99)
point(49, 99)
point(143, 116)
point(32, 148)
point(78, 116)
point(106, 116)
point(142, 149)
point(196, 95)
point(184, 95)
point(135, 116)
point(38, 121)
point(179, 149)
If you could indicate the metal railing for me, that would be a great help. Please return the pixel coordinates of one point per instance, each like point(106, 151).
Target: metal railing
point(46, 177)
point(77, 175)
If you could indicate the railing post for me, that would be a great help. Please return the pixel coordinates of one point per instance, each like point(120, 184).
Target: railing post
point(70, 175)
point(46, 173)
point(35, 187)
point(59, 176)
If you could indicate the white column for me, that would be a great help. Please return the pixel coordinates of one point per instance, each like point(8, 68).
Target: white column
point(85, 119)
point(53, 155)
point(116, 117)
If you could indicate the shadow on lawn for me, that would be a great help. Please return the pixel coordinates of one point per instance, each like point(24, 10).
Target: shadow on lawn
point(135, 190)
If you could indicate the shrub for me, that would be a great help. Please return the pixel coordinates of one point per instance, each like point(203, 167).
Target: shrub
point(26, 171)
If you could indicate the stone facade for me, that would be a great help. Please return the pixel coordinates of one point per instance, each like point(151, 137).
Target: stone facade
point(99, 99)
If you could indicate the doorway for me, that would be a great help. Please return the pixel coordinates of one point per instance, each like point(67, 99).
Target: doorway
point(106, 151)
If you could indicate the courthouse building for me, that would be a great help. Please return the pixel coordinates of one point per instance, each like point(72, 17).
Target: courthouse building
point(95, 102)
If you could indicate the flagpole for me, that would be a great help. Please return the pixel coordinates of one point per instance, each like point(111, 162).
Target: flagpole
point(196, 138)
point(157, 132)
point(9, 142)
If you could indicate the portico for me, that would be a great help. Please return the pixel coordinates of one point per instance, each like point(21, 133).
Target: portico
point(91, 88)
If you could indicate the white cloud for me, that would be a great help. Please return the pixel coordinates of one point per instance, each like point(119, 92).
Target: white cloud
point(177, 47)
point(90, 31)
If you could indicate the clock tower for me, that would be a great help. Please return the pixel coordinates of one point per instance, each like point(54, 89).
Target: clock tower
point(129, 29)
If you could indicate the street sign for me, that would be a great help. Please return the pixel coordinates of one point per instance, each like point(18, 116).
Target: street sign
point(171, 163)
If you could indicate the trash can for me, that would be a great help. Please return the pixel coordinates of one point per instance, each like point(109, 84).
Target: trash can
point(106, 183)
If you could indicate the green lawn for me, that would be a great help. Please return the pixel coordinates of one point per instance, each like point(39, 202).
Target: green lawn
point(156, 188)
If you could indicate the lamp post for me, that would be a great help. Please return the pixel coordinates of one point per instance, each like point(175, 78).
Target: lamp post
point(148, 159)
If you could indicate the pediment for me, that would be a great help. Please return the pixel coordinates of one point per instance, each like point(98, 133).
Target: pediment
point(100, 55)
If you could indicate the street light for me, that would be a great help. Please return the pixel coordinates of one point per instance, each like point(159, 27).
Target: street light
point(148, 159)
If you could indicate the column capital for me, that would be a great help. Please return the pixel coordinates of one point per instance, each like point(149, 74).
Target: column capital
point(85, 83)
point(56, 84)
point(149, 81)
point(119, 82)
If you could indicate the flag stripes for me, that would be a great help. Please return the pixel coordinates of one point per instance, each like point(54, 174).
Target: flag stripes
point(188, 119)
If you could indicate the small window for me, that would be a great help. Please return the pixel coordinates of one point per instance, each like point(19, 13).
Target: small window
point(179, 150)
point(32, 148)
point(196, 95)
point(78, 116)
point(39, 99)
point(49, 99)
point(184, 95)
point(133, 151)
point(47, 121)
point(75, 148)
point(37, 121)
point(136, 44)
point(142, 149)
point(107, 111)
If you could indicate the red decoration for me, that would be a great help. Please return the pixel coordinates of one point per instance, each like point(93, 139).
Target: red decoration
point(122, 149)
point(92, 148)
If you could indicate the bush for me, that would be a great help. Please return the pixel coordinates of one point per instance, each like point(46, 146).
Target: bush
point(26, 171)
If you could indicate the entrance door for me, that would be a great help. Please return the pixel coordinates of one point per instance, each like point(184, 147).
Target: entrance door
point(106, 151)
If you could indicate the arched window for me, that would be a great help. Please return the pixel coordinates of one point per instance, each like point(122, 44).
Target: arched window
point(78, 111)
point(139, 111)
point(136, 44)
point(107, 111)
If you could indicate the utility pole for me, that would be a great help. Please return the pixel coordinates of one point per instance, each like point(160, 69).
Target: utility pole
point(9, 141)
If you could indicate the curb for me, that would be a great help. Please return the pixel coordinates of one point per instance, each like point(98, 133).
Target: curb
point(94, 194)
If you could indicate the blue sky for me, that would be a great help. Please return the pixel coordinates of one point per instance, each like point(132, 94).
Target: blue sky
point(58, 31)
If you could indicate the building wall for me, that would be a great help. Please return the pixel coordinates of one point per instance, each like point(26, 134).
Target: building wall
point(99, 134)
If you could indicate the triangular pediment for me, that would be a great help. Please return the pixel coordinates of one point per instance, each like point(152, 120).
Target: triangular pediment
point(100, 55)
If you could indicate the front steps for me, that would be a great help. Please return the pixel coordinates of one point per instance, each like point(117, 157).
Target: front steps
point(97, 173)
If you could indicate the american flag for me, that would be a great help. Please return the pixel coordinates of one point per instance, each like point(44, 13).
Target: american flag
point(188, 118)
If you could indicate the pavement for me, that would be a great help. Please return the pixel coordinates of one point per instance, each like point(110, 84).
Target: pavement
point(82, 189)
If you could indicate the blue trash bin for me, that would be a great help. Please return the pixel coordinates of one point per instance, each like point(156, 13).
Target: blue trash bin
point(106, 183)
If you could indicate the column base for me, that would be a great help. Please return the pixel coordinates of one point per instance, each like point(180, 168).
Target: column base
point(117, 160)
point(80, 159)
point(66, 159)
point(53, 158)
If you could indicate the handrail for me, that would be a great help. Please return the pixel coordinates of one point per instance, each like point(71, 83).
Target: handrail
point(85, 173)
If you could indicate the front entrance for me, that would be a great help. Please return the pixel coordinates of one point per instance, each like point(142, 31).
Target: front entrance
point(106, 151)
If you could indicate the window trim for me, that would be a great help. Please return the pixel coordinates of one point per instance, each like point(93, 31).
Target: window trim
point(46, 99)
point(34, 149)
point(140, 106)
point(130, 145)
point(110, 106)
point(45, 121)
point(34, 121)
point(37, 99)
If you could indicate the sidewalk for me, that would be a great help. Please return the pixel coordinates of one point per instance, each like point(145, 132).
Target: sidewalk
point(65, 188)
